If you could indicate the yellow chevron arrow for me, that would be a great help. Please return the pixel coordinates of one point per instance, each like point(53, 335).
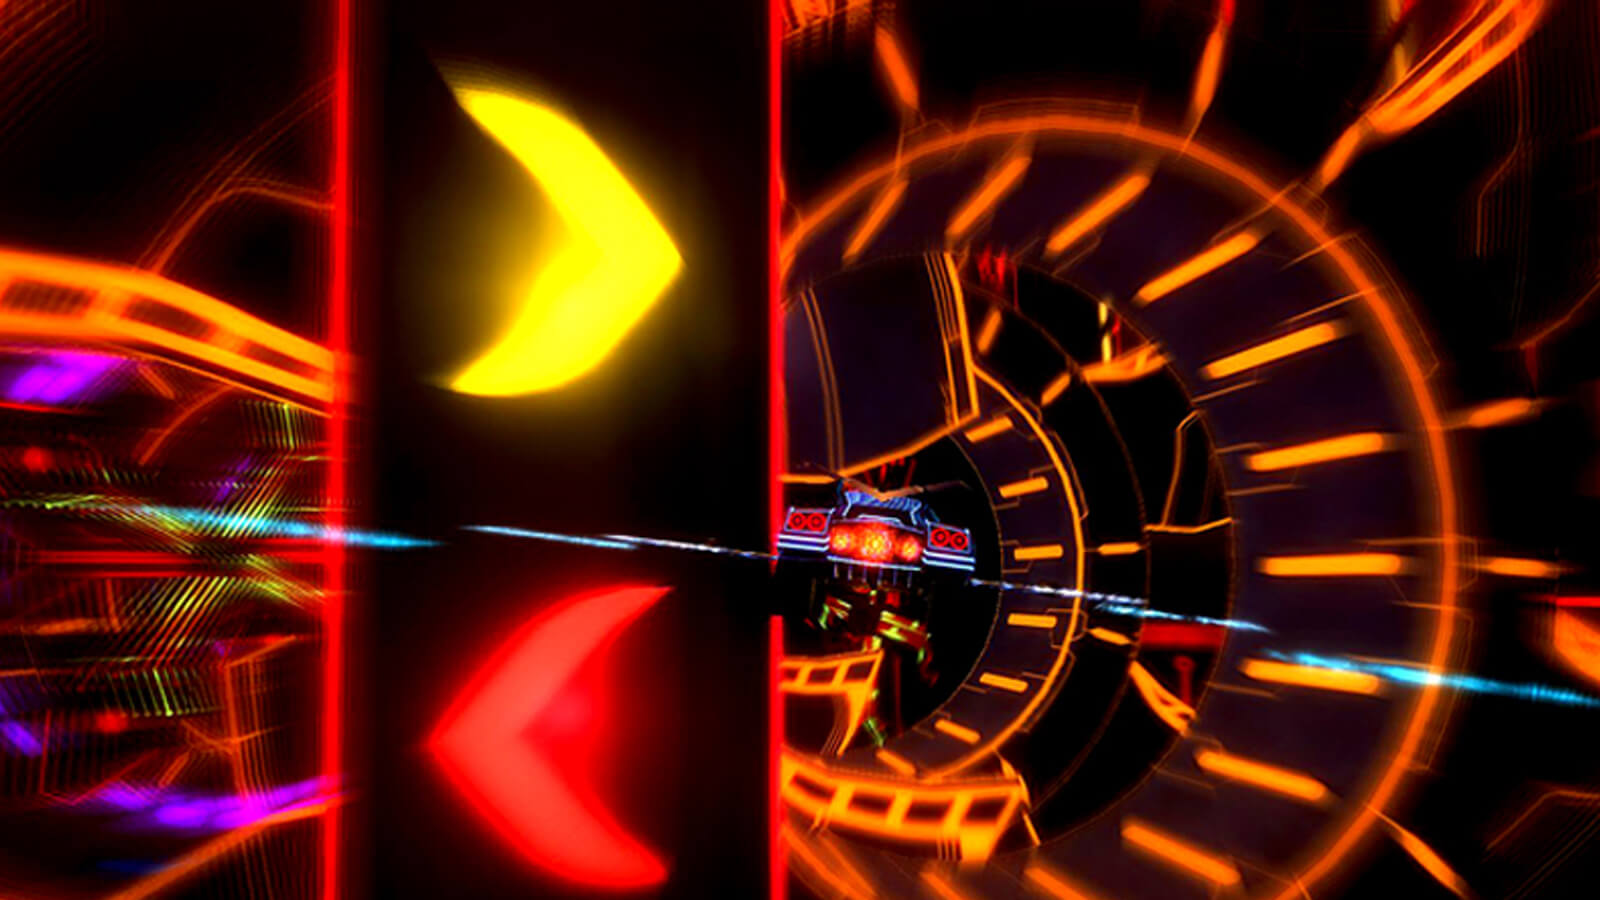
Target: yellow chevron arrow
point(615, 262)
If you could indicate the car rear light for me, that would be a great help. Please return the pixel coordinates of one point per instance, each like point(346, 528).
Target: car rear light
point(877, 544)
point(842, 540)
point(807, 521)
point(909, 549)
point(872, 543)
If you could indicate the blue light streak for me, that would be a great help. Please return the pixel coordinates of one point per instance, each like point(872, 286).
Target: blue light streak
point(265, 526)
point(1421, 677)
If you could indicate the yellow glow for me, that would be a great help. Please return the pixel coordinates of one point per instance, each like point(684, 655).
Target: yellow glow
point(616, 259)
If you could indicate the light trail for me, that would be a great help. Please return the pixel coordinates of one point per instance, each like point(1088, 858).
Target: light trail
point(1421, 677)
point(1112, 604)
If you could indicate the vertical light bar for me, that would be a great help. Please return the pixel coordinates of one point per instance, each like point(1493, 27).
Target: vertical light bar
point(337, 487)
point(777, 444)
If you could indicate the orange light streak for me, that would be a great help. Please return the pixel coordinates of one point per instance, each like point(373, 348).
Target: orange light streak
point(1122, 548)
point(1430, 861)
point(1207, 74)
point(1022, 488)
point(1003, 682)
point(1206, 262)
point(982, 200)
point(1512, 567)
point(1259, 774)
point(1096, 212)
point(884, 205)
point(1179, 853)
point(1030, 620)
point(1274, 350)
point(1326, 450)
point(1334, 564)
point(989, 429)
point(941, 886)
point(1311, 677)
point(104, 280)
point(989, 331)
point(1055, 388)
point(895, 67)
point(959, 732)
point(897, 762)
point(1038, 551)
point(1131, 366)
point(1577, 644)
point(1499, 412)
point(1054, 884)
point(1482, 42)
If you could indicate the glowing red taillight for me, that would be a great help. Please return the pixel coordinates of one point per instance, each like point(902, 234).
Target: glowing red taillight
point(877, 544)
point(842, 540)
point(909, 549)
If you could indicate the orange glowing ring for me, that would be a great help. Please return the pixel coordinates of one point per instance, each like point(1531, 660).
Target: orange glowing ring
point(1380, 299)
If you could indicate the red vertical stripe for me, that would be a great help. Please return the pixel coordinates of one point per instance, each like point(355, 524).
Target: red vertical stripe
point(778, 883)
point(334, 561)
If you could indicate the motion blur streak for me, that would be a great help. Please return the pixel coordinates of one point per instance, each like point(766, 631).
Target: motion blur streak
point(614, 265)
point(1489, 33)
point(246, 525)
point(551, 816)
point(1418, 676)
point(1207, 261)
point(145, 309)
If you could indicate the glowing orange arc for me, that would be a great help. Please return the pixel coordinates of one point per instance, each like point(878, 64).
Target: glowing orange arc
point(482, 744)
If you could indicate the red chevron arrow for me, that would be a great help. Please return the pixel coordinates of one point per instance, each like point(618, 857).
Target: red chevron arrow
point(484, 744)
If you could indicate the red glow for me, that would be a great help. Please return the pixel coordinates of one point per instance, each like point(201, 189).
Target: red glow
point(111, 721)
point(36, 459)
point(777, 438)
point(333, 561)
point(843, 540)
point(877, 544)
point(1181, 636)
point(552, 817)
point(909, 550)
